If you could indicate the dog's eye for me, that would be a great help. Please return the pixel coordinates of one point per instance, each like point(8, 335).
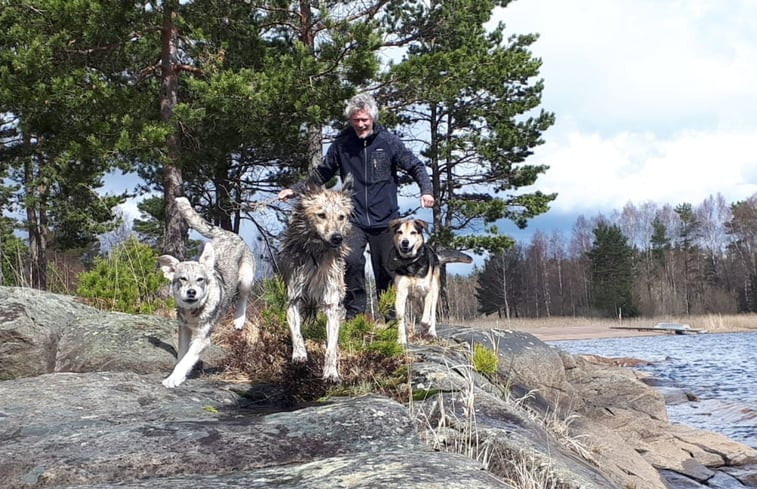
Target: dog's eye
point(200, 280)
point(342, 217)
point(322, 215)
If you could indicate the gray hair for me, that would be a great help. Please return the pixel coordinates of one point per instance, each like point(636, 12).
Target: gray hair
point(362, 101)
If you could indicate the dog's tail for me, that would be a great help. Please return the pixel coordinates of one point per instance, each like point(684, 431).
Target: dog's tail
point(453, 256)
point(195, 220)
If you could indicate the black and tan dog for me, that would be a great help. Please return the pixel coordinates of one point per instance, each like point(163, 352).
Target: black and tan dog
point(417, 268)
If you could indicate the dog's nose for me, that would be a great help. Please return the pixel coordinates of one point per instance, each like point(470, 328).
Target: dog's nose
point(405, 243)
point(191, 293)
point(336, 239)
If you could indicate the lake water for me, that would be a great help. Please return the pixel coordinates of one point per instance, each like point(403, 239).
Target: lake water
point(720, 369)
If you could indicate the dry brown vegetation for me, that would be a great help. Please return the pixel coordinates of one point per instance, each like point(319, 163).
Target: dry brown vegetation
point(720, 323)
point(556, 327)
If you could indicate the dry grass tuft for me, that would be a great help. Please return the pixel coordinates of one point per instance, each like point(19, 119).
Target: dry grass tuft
point(711, 322)
point(368, 363)
point(255, 355)
point(447, 422)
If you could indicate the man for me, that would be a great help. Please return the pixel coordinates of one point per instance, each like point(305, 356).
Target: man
point(373, 156)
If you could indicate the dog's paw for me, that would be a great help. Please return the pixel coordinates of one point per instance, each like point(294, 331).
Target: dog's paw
point(239, 323)
point(331, 376)
point(428, 329)
point(172, 381)
point(299, 355)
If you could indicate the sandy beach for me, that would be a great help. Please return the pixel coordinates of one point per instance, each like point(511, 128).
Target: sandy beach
point(551, 333)
point(577, 328)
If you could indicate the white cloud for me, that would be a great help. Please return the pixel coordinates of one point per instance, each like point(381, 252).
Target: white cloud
point(593, 173)
point(654, 100)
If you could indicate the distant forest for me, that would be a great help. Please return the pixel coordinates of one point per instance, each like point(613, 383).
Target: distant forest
point(646, 259)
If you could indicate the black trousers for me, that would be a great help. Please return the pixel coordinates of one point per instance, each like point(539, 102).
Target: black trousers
point(380, 243)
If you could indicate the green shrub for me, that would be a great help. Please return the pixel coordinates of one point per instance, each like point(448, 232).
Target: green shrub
point(386, 300)
point(386, 343)
point(126, 281)
point(362, 335)
point(314, 327)
point(13, 254)
point(356, 335)
point(274, 295)
point(485, 361)
point(354, 331)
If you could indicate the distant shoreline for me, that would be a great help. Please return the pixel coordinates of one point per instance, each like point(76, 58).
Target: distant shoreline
point(576, 328)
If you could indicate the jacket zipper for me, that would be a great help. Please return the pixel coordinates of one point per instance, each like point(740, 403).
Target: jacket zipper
point(367, 180)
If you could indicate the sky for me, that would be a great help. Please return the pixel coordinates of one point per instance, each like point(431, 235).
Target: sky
point(655, 100)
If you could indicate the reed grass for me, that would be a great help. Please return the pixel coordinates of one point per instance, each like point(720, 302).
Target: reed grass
point(716, 323)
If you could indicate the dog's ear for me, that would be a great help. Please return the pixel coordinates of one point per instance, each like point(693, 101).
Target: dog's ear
point(167, 265)
point(348, 184)
point(208, 256)
point(311, 185)
point(420, 225)
point(394, 224)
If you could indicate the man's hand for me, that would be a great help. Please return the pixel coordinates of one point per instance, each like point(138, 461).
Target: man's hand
point(286, 193)
point(427, 200)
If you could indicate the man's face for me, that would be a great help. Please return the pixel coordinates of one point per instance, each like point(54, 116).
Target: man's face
point(362, 123)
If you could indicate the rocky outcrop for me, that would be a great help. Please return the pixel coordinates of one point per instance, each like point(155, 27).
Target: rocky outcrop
point(602, 414)
point(83, 407)
point(98, 429)
point(43, 333)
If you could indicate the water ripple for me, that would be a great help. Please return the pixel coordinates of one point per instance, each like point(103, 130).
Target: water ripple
point(720, 369)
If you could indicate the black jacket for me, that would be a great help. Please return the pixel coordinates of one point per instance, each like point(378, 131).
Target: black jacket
point(373, 163)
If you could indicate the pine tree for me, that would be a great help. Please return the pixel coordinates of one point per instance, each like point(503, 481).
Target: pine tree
point(256, 82)
point(59, 105)
point(470, 96)
point(612, 272)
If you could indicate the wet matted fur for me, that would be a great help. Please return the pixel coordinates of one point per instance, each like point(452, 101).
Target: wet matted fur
point(205, 288)
point(311, 263)
point(417, 272)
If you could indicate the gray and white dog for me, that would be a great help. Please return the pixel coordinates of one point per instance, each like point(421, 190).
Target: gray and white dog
point(311, 262)
point(205, 288)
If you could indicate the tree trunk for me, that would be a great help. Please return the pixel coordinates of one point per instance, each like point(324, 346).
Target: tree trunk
point(435, 166)
point(307, 36)
point(35, 225)
point(545, 285)
point(315, 146)
point(504, 288)
point(175, 233)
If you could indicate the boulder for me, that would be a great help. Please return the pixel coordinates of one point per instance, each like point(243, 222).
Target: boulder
point(524, 360)
point(43, 333)
point(607, 413)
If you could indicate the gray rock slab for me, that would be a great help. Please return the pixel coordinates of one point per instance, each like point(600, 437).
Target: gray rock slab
point(99, 429)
